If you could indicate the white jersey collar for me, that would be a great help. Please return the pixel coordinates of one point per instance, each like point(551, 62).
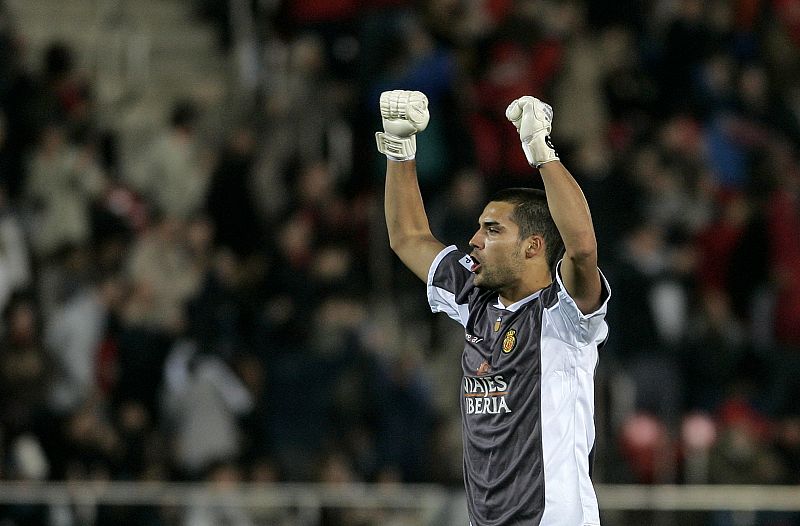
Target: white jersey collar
point(514, 307)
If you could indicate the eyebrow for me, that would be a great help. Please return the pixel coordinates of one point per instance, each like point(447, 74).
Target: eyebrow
point(489, 223)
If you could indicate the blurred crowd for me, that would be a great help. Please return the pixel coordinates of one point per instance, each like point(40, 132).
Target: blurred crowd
point(230, 308)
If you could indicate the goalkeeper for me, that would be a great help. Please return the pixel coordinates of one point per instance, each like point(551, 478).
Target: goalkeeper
point(532, 302)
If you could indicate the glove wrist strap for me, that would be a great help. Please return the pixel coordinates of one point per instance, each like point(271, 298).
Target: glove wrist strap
point(396, 148)
point(539, 150)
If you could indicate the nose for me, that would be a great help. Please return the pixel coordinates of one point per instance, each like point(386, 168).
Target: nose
point(476, 241)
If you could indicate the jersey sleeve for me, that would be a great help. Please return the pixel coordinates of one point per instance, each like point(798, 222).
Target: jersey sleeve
point(449, 281)
point(573, 326)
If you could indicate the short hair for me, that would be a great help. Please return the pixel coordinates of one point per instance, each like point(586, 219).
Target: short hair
point(532, 215)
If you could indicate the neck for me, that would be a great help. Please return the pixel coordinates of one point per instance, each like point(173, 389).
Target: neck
point(524, 288)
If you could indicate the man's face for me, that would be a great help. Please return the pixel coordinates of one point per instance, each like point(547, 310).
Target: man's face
point(496, 248)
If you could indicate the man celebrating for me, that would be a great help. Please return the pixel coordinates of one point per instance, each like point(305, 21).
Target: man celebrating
point(532, 303)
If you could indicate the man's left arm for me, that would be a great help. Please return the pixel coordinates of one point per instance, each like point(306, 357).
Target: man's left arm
point(566, 201)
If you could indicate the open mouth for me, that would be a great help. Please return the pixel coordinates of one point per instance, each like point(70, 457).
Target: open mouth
point(476, 265)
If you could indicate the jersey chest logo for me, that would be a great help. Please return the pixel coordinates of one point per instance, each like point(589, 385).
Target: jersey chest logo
point(509, 341)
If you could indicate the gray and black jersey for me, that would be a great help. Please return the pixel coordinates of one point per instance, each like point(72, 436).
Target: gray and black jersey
point(527, 398)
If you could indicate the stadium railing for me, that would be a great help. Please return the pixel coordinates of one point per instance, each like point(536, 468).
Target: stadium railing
point(399, 504)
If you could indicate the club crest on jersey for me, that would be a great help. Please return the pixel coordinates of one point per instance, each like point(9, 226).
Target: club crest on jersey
point(509, 341)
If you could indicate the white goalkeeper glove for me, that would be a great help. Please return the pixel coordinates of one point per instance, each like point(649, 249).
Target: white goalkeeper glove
point(533, 120)
point(404, 114)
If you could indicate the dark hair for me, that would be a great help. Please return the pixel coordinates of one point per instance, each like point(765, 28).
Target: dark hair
point(532, 216)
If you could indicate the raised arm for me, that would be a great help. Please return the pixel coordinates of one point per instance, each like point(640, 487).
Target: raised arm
point(566, 202)
point(404, 113)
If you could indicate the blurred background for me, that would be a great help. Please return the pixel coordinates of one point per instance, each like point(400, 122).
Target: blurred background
point(196, 284)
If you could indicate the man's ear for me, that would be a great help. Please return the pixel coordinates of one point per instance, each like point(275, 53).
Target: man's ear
point(534, 245)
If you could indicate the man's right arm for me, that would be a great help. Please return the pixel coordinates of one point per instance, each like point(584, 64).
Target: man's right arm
point(405, 113)
point(409, 232)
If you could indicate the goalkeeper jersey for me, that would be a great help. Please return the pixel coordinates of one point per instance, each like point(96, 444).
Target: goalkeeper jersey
point(527, 398)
